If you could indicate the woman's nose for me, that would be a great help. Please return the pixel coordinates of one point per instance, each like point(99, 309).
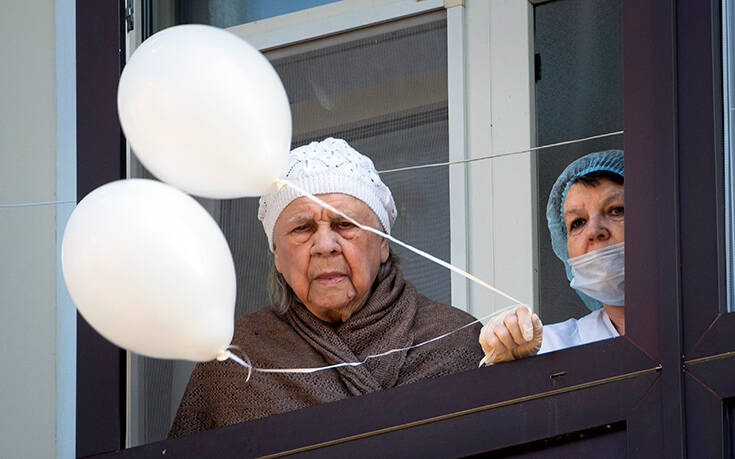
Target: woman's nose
point(596, 230)
point(325, 242)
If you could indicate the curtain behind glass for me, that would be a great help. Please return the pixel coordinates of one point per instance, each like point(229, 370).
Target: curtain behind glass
point(384, 90)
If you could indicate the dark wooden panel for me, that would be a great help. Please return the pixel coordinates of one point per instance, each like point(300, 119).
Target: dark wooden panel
point(100, 143)
point(503, 427)
point(649, 124)
point(717, 374)
point(701, 193)
point(653, 276)
point(717, 338)
point(647, 434)
point(706, 436)
point(454, 432)
point(700, 164)
point(607, 441)
point(100, 159)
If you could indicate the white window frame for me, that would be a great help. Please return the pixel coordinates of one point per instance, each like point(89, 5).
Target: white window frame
point(500, 110)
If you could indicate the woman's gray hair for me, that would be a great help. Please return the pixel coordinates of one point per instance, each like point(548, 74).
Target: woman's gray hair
point(283, 297)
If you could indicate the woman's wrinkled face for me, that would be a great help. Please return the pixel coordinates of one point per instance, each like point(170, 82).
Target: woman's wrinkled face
point(329, 263)
point(594, 216)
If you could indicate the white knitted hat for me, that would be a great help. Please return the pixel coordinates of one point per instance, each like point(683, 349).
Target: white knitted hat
point(329, 166)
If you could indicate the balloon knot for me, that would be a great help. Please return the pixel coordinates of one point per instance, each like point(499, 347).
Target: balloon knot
point(223, 355)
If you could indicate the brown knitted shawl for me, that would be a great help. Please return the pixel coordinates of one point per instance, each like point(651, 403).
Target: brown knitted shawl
point(395, 316)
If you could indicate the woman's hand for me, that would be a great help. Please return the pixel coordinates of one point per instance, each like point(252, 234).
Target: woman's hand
point(513, 336)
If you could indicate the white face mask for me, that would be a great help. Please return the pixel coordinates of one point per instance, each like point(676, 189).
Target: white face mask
point(601, 274)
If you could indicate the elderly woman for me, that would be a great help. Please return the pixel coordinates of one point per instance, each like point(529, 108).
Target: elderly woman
point(339, 297)
point(585, 216)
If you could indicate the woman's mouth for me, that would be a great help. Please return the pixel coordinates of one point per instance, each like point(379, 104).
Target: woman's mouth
point(330, 278)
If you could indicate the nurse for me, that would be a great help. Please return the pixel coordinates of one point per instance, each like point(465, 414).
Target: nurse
point(585, 215)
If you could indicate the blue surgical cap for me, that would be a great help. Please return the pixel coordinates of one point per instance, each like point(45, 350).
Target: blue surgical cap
point(610, 160)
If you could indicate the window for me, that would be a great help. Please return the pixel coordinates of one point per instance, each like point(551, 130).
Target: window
point(160, 14)
point(398, 89)
point(706, 256)
point(676, 271)
point(578, 95)
point(382, 88)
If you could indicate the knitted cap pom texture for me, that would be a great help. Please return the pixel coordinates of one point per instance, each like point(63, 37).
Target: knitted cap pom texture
point(329, 166)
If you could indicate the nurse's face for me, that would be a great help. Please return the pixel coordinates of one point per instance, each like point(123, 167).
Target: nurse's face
point(594, 216)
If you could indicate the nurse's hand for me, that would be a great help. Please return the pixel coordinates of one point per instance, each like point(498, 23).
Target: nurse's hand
point(515, 335)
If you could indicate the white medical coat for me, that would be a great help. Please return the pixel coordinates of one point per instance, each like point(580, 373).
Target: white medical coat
point(595, 326)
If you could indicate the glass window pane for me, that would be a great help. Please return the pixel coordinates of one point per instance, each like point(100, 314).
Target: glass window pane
point(220, 13)
point(579, 94)
point(384, 90)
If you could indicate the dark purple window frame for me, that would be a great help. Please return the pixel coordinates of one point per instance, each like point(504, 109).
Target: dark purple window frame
point(100, 159)
point(660, 391)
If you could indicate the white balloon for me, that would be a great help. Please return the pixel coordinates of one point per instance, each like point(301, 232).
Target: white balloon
point(206, 112)
point(150, 270)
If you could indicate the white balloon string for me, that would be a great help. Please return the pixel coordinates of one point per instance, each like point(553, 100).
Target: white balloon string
point(227, 354)
point(428, 256)
point(500, 155)
point(282, 182)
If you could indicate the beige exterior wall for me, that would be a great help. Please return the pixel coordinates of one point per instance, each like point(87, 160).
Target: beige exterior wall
point(30, 355)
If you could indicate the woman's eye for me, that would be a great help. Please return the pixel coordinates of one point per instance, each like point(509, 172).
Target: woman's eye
point(576, 223)
point(301, 228)
point(345, 225)
point(617, 211)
